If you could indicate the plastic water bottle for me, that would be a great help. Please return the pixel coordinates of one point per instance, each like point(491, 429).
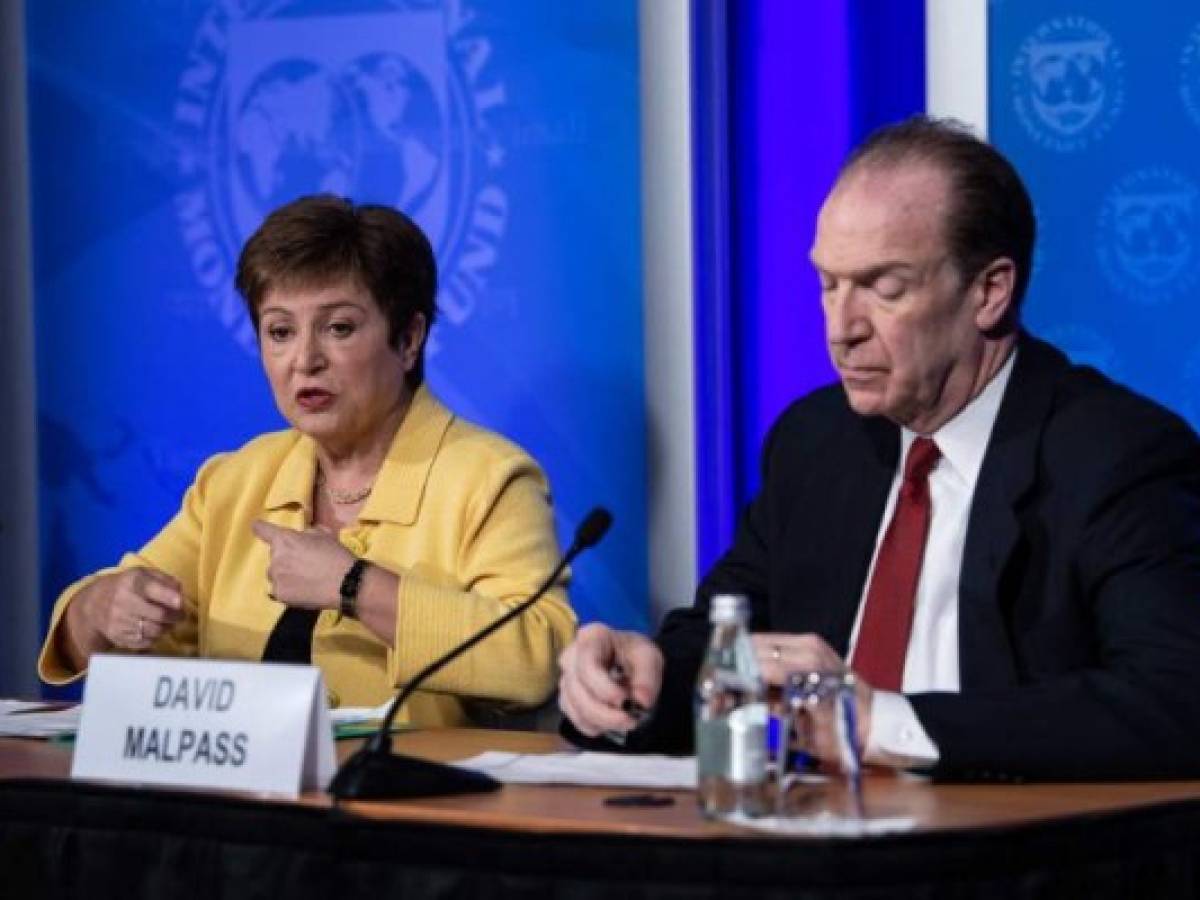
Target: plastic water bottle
point(731, 717)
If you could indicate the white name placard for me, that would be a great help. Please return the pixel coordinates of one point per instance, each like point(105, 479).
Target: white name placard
point(204, 723)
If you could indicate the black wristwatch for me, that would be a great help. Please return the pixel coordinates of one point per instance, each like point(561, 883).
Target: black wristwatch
point(348, 592)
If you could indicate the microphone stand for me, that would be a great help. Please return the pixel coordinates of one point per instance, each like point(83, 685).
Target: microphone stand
point(375, 773)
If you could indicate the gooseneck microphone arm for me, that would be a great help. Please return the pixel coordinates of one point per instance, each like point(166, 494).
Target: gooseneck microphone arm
point(374, 772)
point(584, 538)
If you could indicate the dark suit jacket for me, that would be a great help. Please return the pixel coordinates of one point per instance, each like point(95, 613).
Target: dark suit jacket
point(1079, 596)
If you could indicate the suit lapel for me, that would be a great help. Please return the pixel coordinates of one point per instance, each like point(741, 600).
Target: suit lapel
point(861, 489)
point(986, 655)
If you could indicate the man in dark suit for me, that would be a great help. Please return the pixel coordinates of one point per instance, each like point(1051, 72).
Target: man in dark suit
point(1004, 547)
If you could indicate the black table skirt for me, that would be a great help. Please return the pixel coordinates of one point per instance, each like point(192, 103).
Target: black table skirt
point(62, 839)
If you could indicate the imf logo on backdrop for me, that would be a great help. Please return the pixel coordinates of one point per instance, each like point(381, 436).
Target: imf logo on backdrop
point(1068, 83)
point(392, 103)
point(1189, 81)
point(1148, 232)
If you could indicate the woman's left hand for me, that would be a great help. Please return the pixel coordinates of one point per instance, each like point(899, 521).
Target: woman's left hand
point(306, 568)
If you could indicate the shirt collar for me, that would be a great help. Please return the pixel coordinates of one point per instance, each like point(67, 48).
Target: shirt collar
point(963, 440)
point(400, 484)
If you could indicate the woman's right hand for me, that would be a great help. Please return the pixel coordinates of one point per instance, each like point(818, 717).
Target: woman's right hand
point(129, 610)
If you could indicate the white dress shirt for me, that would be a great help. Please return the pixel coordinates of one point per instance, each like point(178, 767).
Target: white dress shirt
point(931, 663)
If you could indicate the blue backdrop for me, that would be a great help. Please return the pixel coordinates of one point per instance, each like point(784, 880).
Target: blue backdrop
point(803, 83)
point(162, 133)
point(1101, 113)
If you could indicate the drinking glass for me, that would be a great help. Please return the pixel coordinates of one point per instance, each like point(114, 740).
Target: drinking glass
point(813, 700)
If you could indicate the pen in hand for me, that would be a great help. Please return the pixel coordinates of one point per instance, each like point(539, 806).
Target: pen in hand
point(629, 705)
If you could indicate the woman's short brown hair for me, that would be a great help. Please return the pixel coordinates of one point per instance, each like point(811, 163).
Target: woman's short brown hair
point(317, 240)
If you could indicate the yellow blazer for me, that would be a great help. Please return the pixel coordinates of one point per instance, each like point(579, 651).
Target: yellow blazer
point(460, 514)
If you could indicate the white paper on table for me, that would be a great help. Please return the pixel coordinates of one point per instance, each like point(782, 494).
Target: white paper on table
point(825, 825)
point(586, 768)
point(39, 723)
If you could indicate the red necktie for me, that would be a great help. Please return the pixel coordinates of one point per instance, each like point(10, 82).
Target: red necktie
point(891, 597)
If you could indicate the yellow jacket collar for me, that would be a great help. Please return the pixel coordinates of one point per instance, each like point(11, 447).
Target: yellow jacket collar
point(400, 484)
point(293, 483)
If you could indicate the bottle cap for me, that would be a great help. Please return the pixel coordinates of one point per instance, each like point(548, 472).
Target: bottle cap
point(728, 608)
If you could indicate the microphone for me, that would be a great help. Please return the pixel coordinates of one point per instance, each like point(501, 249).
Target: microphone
point(375, 773)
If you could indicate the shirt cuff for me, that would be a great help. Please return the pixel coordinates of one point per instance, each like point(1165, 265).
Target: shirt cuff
point(896, 737)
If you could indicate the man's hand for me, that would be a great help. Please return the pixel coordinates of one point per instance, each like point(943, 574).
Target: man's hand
point(603, 668)
point(306, 568)
point(780, 655)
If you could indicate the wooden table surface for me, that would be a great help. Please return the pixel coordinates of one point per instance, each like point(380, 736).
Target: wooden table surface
point(581, 809)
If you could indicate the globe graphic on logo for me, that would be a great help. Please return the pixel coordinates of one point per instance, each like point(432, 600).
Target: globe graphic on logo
point(400, 130)
point(371, 131)
point(1153, 240)
point(1069, 84)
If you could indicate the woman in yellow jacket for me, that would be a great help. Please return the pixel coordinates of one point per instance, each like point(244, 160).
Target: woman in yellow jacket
point(370, 537)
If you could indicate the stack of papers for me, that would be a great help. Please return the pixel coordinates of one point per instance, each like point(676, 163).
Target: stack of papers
point(36, 719)
point(361, 721)
point(41, 719)
point(359, 715)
